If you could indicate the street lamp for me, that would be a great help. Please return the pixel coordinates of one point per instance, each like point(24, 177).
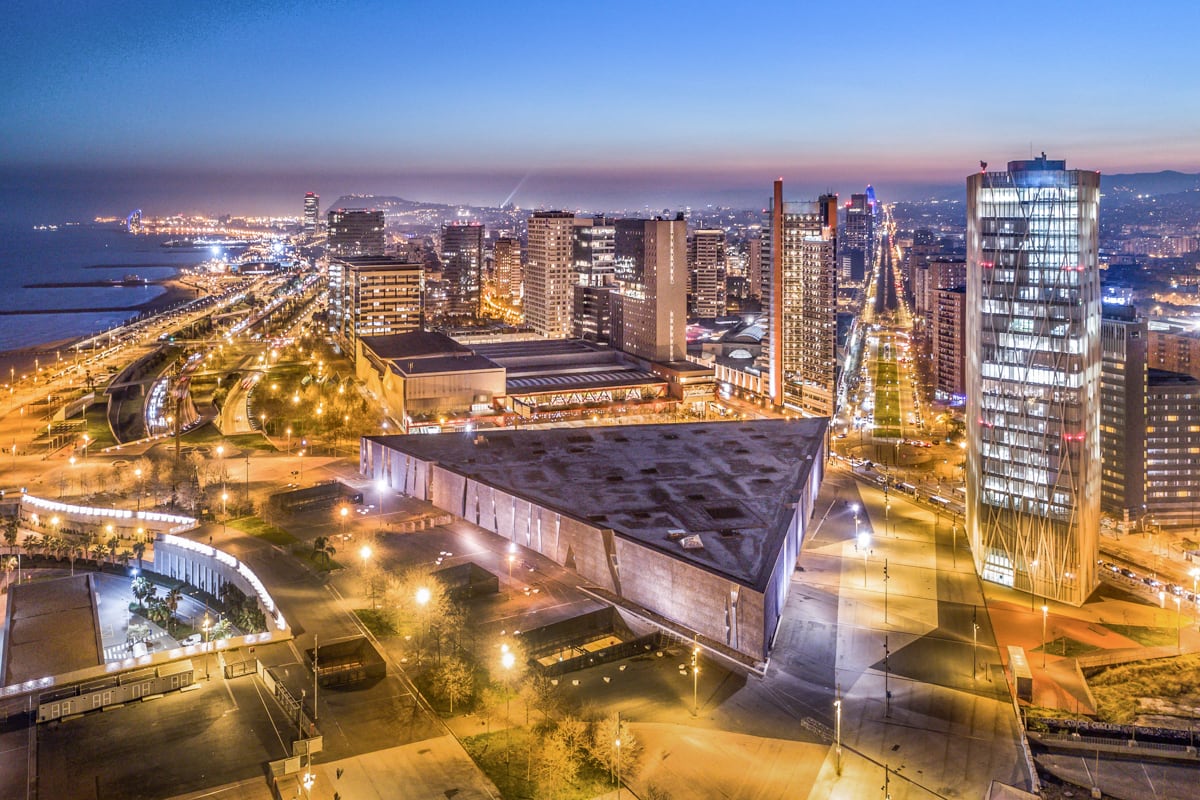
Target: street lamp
point(695, 679)
point(289, 438)
point(863, 543)
point(512, 556)
point(344, 513)
point(1045, 613)
point(207, 627)
point(224, 510)
point(381, 485)
point(138, 474)
point(507, 660)
point(1178, 627)
point(364, 553)
point(837, 731)
point(423, 596)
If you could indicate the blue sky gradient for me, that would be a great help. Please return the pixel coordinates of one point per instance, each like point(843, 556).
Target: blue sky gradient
point(604, 102)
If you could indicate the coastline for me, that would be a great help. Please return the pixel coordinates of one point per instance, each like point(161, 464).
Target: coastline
point(22, 359)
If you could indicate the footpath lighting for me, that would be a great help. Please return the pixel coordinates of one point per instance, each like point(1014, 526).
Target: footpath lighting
point(695, 679)
point(138, 474)
point(364, 553)
point(381, 485)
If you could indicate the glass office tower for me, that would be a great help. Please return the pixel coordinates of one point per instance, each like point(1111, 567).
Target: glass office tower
point(1033, 377)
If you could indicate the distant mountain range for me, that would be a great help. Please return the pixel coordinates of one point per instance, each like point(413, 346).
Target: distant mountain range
point(1118, 186)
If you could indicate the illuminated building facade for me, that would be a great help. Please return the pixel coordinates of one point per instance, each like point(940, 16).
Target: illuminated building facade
point(355, 232)
point(548, 273)
point(1123, 412)
point(462, 267)
point(802, 298)
point(707, 268)
point(649, 316)
point(507, 260)
point(1033, 377)
point(312, 212)
point(374, 296)
point(856, 248)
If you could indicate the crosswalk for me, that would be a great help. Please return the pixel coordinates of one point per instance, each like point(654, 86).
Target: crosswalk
point(117, 652)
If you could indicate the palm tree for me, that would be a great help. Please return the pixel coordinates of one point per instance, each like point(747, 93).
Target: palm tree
point(323, 549)
point(11, 532)
point(139, 550)
point(172, 604)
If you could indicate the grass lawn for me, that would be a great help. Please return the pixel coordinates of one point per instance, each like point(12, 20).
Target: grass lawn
point(508, 767)
point(1145, 636)
point(378, 622)
point(1118, 689)
point(256, 527)
point(887, 400)
point(207, 434)
point(96, 426)
point(1066, 647)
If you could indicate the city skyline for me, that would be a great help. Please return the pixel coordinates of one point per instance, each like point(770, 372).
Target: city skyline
point(241, 108)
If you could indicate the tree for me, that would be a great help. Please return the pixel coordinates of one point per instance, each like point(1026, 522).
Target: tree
point(454, 681)
point(605, 733)
point(172, 604)
point(323, 550)
point(142, 590)
point(12, 530)
point(556, 766)
point(139, 550)
point(540, 693)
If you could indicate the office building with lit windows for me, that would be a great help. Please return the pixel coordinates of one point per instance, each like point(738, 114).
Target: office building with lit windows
point(1033, 377)
point(312, 212)
point(355, 232)
point(549, 273)
point(462, 267)
point(707, 267)
point(373, 296)
point(801, 293)
point(507, 270)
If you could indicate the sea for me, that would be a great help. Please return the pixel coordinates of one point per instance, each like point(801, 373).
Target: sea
point(77, 253)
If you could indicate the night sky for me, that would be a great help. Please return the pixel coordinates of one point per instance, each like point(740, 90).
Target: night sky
point(240, 106)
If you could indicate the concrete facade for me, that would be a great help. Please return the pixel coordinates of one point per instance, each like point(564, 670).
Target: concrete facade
point(620, 506)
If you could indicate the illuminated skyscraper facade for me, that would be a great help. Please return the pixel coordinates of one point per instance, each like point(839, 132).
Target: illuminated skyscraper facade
point(706, 263)
point(355, 232)
point(549, 273)
point(312, 212)
point(801, 293)
point(507, 260)
point(1033, 377)
point(462, 267)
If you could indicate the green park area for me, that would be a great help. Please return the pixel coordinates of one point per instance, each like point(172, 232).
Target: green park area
point(887, 397)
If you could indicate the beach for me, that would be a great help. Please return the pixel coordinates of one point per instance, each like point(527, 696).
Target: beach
point(21, 361)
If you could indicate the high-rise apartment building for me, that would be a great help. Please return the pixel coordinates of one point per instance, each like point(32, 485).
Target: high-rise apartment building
point(1172, 449)
point(1123, 370)
point(548, 273)
point(373, 296)
point(629, 249)
point(1033, 377)
point(754, 267)
point(649, 316)
point(355, 232)
point(948, 344)
point(801, 294)
point(1174, 348)
point(856, 247)
point(507, 260)
point(707, 268)
point(462, 267)
point(312, 212)
point(594, 251)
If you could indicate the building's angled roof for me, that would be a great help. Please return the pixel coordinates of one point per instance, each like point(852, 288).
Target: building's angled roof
point(53, 628)
point(735, 484)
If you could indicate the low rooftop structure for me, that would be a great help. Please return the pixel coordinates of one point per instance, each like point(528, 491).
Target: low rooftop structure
point(52, 628)
point(700, 523)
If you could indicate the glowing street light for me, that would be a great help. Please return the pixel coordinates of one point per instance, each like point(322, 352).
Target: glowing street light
point(695, 679)
point(423, 596)
point(863, 542)
point(837, 731)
